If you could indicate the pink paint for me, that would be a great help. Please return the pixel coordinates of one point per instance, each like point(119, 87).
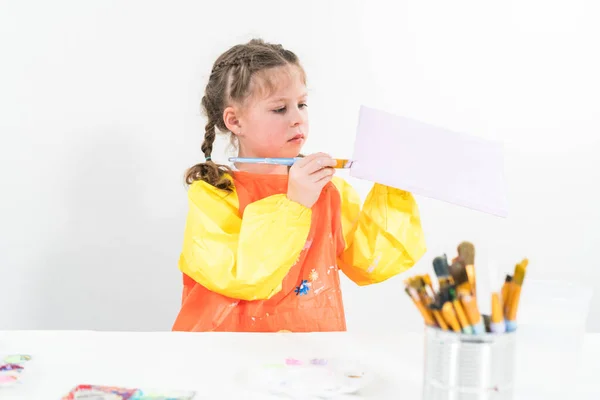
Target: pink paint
point(7, 378)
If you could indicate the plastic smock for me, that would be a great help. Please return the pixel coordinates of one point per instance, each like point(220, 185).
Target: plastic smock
point(255, 261)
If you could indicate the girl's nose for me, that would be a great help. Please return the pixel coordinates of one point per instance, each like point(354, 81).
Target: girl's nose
point(297, 117)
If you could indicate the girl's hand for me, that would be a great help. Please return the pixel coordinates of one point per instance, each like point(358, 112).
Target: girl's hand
point(308, 177)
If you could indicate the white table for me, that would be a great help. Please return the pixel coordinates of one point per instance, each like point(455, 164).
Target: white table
point(209, 362)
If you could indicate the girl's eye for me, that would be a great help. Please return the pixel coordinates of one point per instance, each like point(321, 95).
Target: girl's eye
point(279, 110)
point(303, 105)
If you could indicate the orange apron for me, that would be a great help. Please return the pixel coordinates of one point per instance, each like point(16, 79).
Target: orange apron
point(310, 299)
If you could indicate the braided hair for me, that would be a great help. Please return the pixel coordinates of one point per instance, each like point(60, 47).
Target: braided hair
point(233, 78)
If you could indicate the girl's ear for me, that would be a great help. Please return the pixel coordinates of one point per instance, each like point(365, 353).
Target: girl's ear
point(231, 120)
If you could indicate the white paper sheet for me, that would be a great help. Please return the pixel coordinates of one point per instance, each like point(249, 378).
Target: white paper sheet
point(430, 161)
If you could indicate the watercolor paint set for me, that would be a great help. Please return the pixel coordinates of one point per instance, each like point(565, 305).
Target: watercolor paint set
point(13, 369)
point(98, 392)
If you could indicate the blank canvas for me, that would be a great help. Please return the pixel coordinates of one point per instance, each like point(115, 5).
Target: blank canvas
point(430, 161)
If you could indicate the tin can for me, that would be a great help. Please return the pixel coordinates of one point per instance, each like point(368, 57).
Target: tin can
point(468, 367)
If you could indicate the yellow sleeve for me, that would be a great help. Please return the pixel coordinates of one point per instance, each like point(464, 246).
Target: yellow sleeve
point(383, 239)
point(243, 258)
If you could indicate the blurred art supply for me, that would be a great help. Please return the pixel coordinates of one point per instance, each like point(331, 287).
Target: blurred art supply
point(422, 285)
point(437, 314)
point(487, 320)
point(497, 324)
point(17, 358)
point(469, 304)
point(457, 271)
point(511, 287)
point(308, 378)
point(466, 253)
point(453, 304)
point(397, 151)
point(427, 280)
point(469, 354)
point(429, 296)
point(425, 312)
point(163, 395)
point(426, 294)
point(464, 266)
point(13, 370)
point(440, 266)
point(512, 284)
point(515, 294)
point(99, 392)
point(450, 316)
point(7, 379)
point(462, 318)
point(341, 163)
point(504, 292)
point(470, 270)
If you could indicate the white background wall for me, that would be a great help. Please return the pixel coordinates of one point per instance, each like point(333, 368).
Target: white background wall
point(99, 117)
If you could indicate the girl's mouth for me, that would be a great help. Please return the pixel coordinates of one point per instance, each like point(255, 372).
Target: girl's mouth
point(297, 138)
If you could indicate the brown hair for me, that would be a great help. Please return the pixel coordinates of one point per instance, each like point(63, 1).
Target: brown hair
point(234, 79)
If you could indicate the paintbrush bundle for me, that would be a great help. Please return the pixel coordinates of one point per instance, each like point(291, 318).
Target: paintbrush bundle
point(452, 303)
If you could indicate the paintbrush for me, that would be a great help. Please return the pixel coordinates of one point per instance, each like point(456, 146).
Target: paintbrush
point(440, 266)
point(423, 309)
point(464, 268)
point(466, 256)
point(457, 270)
point(515, 294)
point(417, 283)
point(341, 163)
point(432, 296)
point(466, 253)
point(427, 280)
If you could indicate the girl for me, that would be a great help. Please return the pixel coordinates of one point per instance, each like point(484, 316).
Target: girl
point(263, 243)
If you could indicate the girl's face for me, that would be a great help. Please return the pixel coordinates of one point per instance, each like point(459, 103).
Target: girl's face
point(272, 123)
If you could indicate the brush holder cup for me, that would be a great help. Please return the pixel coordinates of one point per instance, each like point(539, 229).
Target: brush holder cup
point(468, 367)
